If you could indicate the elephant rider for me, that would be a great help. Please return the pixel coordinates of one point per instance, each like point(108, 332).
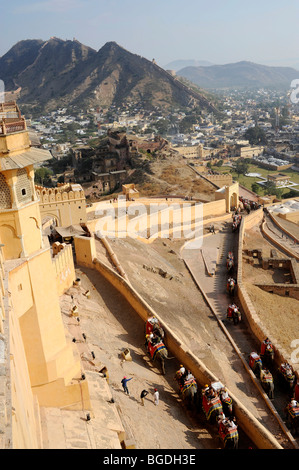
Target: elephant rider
point(286, 368)
point(181, 375)
point(210, 392)
point(153, 338)
point(189, 376)
point(265, 344)
point(294, 403)
point(224, 394)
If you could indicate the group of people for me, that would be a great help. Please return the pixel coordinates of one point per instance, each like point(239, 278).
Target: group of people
point(143, 394)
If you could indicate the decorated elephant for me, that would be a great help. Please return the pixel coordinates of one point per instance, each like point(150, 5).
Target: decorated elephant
point(230, 286)
point(267, 382)
point(158, 352)
point(229, 265)
point(189, 391)
point(287, 376)
point(228, 433)
point(211, 405)
point(255, 363)
point(233, 313)
point(292, 416)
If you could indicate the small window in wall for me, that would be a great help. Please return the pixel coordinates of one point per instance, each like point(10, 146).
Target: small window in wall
point(20, 287)
point(23, 192)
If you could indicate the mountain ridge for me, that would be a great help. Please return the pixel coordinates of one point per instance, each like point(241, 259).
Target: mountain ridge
point(67, 73)
point(242, 74)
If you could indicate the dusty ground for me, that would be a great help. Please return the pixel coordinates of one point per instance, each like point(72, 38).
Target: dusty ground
point(279, 314)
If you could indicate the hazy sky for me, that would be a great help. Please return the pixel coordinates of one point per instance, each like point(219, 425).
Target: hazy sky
point(220, 31)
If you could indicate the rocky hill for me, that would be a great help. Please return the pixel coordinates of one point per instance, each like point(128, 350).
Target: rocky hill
point(60, 73)
point(240, 75)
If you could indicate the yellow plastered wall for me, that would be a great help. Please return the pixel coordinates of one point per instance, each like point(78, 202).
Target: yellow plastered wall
point(214, 208)
point(64, 268)
point(25, 414)
point(85, 250)
point(20, 231)
point(13, 143)
point(52, 361)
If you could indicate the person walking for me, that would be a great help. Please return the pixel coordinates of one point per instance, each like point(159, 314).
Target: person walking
point(142, 395)
point(156, 397)
point(124, 384)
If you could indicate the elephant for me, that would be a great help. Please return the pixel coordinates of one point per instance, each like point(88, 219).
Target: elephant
point(189, 392)
point(292, 417)
point(229, 265)
point(230, 287)
point(158, 352)
point(228, 435)
point(267, 383)
point(235, 226)
point(255, 363)
point(267, 352)
point(212, 407)
point(287, 376)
